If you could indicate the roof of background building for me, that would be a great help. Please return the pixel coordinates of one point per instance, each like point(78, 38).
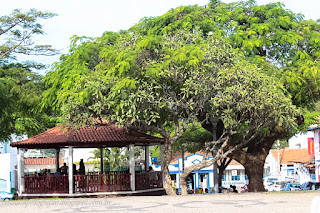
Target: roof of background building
point(304, 159)
point(175, 157)
point(100, 136)
point(288, 156)
point(42, 161)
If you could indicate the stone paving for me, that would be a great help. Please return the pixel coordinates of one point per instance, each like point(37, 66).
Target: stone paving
point(247, 202)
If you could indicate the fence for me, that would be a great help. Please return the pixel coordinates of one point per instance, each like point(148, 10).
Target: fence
point(109, 182)
point(46, 184)
point(149, 180)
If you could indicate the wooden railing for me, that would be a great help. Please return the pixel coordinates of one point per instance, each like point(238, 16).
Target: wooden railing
point(46, 184)
point(149, 180)
point(109, 182)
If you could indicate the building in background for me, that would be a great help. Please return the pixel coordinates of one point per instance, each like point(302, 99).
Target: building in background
point(289, 164)
point(37, 164)
point(8, 159)
point(233, 175)
point(315, 144)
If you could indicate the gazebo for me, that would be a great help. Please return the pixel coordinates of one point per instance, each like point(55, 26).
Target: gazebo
point(104, 183)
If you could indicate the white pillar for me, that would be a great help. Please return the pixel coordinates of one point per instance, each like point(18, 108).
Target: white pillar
point(70, 170)
point(132, 171)
point(147, 158)
point(57, 158)
point(101, 160)
point(20, 168)
point(162, 161)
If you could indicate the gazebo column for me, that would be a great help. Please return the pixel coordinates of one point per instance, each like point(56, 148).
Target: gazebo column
point(162, 161)
point(131, 167)
point(146, 158)
point(101, 160)
point(57, 158)
point(70, 170)
point(20, 168)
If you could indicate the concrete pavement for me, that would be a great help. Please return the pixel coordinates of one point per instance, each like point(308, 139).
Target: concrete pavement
point(247, 202)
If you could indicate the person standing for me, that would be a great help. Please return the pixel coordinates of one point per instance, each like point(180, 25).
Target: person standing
point(64, 169)
point(82, 168)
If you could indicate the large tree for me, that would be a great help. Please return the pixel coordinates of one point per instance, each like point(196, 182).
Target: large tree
point(280, 42)
point(151, 83)
point(20, 87)
point(161, 84)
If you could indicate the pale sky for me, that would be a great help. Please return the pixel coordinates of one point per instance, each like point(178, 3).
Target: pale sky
point(92, 18)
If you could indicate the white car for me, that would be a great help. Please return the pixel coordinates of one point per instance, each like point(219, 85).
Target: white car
point(268, 181)
point(277, 186)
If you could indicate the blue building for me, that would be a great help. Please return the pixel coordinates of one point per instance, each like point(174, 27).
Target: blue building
point(204, 178)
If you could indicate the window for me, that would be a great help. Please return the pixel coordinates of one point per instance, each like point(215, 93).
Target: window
point(223, 178)
point(237, 177)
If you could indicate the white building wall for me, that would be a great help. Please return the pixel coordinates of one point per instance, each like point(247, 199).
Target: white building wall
point(5, 170)
point(271, 164)
point(211, 179)
point(300, 140)
point(302, 174)
point(12, 162)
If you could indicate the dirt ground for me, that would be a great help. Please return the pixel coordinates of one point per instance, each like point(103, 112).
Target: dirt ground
point(292, 202)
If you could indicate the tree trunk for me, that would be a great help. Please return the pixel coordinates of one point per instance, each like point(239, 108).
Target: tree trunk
point(167, 159)
point(254, 170)
point(183, 186)
point(183, 177)
point(221, 167)
point(253, 160)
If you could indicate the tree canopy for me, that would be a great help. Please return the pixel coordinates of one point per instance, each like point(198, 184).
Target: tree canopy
point(262, 32)
point(161, 83)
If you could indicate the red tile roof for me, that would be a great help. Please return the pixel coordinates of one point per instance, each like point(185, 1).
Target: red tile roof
point(287, 156)
point(304, 159)
point(101, 136)
point(42, 161)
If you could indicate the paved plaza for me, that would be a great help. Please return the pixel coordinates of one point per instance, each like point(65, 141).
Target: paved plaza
point(247, 202)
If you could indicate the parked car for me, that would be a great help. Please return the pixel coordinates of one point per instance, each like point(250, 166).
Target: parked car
point(277, 186)
point(292, 187)
point(268, 181)
point(310, 186)
point(6, 195)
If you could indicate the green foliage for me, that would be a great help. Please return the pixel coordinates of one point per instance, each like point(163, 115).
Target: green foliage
point(20, 88)
point(134, 80)
point(193, 140)
point(166, 82)
point(17, 30)
point(21, 93)
point(115, 158)
point(282, 144)
point(262, 32)
point(155, 151)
